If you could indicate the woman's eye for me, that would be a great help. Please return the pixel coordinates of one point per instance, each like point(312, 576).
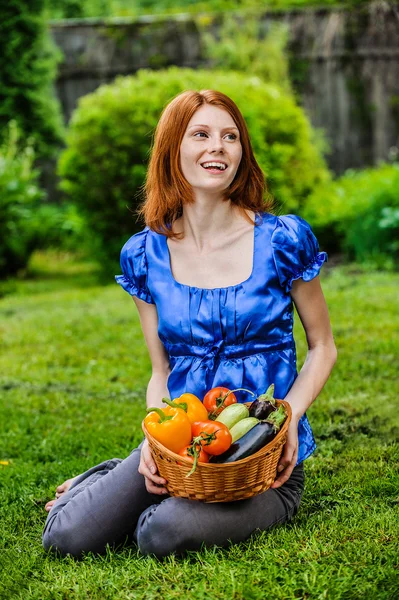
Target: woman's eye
point(229, 136)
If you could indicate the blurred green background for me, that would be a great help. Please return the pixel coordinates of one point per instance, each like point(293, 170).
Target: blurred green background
point(83, 84)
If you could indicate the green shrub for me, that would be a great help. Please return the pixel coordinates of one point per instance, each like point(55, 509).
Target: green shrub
point(26, 222)
point(60, 227)
point(104, 164)
point(358, 213)
point(19, 197)
point(28, 60)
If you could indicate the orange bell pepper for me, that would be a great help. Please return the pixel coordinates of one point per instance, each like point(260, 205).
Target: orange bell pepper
point(171, 427)
point(192, 405)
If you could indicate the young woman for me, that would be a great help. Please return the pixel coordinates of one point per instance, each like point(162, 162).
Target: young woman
point(214, 277)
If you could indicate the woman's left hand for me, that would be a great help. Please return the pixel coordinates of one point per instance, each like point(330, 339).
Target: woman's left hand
point(289, 456)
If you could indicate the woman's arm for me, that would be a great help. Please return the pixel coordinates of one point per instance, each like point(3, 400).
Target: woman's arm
point(312, 310)
point(156, 389)
point(157, 386)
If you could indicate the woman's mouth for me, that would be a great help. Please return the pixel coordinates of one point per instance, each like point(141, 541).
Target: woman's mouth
point(214, 166)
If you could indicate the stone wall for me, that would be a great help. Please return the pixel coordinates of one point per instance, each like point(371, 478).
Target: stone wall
point(344, 64)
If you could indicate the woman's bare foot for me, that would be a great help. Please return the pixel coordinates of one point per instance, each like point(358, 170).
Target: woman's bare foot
point(61, 489)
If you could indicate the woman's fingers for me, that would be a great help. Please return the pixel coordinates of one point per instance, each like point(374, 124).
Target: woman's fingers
point(147, 467)
point(289, 456)
point(154, 489)
point(288, 465)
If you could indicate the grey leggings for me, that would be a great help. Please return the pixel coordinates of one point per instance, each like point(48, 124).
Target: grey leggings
point(109, 504)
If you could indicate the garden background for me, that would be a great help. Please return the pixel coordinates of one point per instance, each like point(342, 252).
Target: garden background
point(82, 84)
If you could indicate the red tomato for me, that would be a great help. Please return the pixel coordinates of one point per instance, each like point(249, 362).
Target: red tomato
point(213, 436)
point(188, 452)
point(217, 399)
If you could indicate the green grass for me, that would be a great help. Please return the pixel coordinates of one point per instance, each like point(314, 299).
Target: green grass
point(73, 374)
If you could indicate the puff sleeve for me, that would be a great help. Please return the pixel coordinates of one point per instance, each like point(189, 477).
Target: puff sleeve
point(134, 267)
point(295, 251)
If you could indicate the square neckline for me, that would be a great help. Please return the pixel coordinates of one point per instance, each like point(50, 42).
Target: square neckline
point(226, 287)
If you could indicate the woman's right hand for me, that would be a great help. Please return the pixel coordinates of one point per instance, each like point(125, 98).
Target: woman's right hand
point(147, 467)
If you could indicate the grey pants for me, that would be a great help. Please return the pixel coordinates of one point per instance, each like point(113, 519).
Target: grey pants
point(109, 504)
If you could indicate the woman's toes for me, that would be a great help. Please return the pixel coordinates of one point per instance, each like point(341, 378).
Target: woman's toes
point(61, 489)
point(64, 487)
point(50, 505)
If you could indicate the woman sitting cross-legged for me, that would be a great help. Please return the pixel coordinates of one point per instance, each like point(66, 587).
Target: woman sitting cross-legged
point(214, 276)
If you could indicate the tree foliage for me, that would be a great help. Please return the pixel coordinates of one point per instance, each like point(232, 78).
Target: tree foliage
point(107, 8)
point(28, 60)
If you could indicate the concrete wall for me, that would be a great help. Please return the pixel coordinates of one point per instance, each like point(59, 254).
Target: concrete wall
point(345, 67)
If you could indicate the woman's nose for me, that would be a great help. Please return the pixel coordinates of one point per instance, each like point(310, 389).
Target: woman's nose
point(216, 144)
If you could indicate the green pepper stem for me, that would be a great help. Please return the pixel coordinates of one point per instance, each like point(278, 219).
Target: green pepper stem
point(160, 413)
point(173, 404)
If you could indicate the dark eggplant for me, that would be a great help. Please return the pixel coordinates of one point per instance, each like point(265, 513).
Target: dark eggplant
point(255, 439)
point(264, 404)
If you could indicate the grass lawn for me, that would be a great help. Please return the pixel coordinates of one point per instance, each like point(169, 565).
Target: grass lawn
point(73, 372)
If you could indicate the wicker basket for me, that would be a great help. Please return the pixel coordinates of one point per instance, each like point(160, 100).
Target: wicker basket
point(221, 482)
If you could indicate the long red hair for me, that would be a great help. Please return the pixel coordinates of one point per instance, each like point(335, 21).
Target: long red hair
point(166, 189)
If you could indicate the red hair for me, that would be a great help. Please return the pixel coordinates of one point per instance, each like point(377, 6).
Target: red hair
point(166, 189)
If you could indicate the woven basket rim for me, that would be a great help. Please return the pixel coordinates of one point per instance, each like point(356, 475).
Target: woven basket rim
point(274, 442)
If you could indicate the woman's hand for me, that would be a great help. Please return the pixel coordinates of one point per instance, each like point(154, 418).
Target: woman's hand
point(148, 468)
point(289, 456)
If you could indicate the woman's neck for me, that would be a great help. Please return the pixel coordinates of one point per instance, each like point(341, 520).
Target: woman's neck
point(203, 222)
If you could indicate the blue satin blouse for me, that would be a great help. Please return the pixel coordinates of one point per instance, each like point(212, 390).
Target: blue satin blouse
point(238, 336)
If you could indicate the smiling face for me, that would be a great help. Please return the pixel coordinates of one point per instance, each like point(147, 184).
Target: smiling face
point(210, 151)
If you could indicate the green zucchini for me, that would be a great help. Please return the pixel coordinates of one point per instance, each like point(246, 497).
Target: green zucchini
point(232, 414)
point(242, 427)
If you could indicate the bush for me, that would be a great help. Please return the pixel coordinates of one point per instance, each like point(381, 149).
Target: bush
point(26, 222)
point(19, 197)
point(28, 60)
point(104, 165)
point(359, 213)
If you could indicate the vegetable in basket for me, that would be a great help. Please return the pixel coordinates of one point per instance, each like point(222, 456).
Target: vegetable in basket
point(192, 405)
point(264, 404)
point(196, 454)
point(213, 436)
point(170, 426)
point(219, 398)
point(233, 414)
point(260, 435)
point(242, 427)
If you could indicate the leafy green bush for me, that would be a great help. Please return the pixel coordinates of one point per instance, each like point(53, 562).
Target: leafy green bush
point(28, 60)
point(104, 165)
point(26, 222)
point(358, 213)
point(19, 197)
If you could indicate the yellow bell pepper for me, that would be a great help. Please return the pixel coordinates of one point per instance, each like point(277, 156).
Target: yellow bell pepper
point(171, 427)
point(192, 405)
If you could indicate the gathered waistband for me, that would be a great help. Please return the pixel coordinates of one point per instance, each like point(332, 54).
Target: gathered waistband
point(228, 351)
